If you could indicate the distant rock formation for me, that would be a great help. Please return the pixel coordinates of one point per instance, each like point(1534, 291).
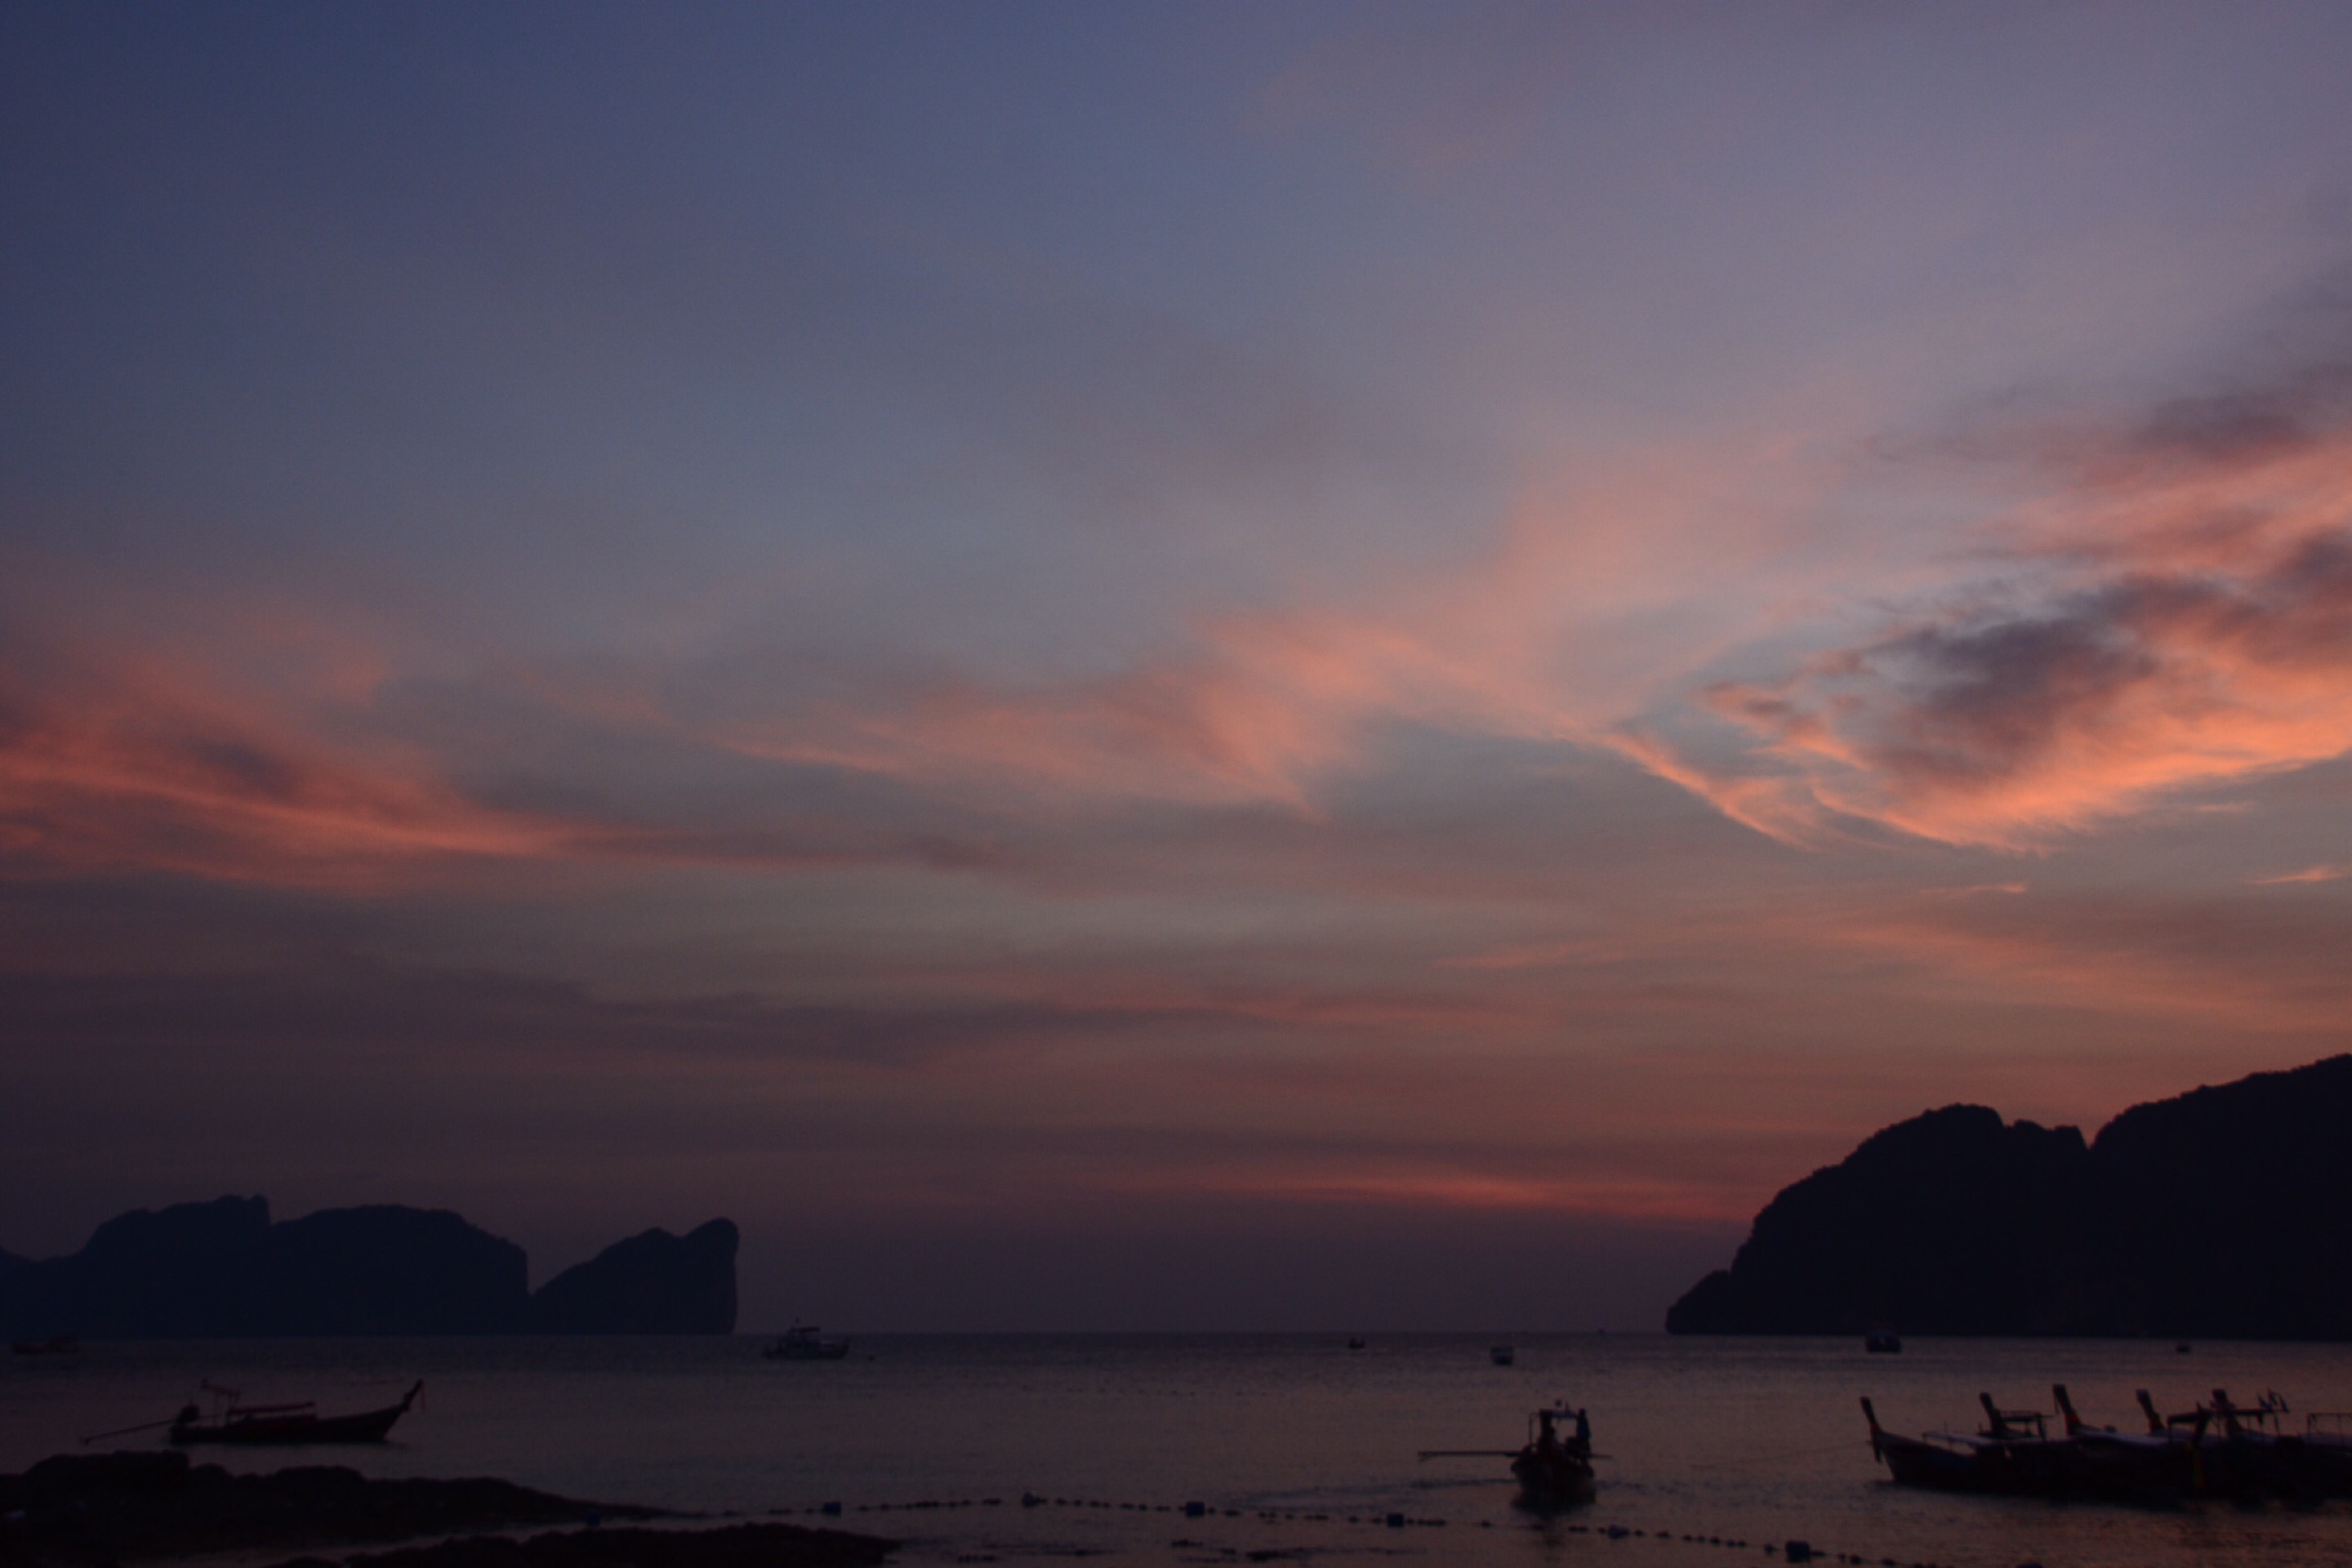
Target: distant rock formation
point(2216, 1215)
point(655, 1283)
point(221, 1268)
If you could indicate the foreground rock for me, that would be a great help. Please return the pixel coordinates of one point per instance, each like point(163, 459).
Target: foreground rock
point(81, 1511)
point(2216, 1215)
point(727, 1546)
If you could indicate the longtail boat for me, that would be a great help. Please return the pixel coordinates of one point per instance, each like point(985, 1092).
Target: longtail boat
point(2015, 1453)
point(287, 1424)
point(2252, 1454)
point(2110, 1463)
point(2220, 1449)
point(1551, 1471)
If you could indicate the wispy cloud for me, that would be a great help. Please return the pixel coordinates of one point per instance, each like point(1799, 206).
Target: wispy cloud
point(146, 764)
point(2330, 873)
point(2175, 615)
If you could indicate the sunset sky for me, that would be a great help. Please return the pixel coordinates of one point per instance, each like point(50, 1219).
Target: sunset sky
point(1156, 666)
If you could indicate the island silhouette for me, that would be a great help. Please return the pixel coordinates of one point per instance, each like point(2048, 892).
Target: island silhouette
point(2217, 1214)
point(223, 1270)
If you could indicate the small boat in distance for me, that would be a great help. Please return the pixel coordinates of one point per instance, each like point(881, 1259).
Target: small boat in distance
point(1502, 1355)
point(1355, 1342)
point(286, 1424)
point(802, 1341)
point(1883, 1341)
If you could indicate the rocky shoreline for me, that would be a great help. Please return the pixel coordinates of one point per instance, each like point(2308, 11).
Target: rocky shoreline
point(105, 1510)
point(717, 1546)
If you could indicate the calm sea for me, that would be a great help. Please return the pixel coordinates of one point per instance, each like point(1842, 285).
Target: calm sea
point(1759, 1440)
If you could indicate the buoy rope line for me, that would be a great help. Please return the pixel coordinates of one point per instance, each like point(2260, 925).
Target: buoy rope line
point(1792, 1551)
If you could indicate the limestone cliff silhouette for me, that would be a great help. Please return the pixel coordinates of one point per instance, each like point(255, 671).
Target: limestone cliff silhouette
point(221, 1268)
point(2214, 1214)
point(655, 1283)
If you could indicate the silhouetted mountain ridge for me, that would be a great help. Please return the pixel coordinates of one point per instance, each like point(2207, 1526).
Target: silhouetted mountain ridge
point(221, 1268)
point(2212, 1215)
point(653, 1283)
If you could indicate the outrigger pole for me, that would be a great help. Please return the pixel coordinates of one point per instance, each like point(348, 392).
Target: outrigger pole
point(124, 1431)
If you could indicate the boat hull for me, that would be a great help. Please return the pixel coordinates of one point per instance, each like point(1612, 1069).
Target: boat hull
point(1552, 1480)
point(288, 1431)
point(2090, 1466)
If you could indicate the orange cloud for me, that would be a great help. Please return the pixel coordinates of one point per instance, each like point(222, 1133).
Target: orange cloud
point(2180, 964)
point(2175, 614)
point(1624, 1197)
point(2185, 622)
point(1603, 590)
point(2308, 874)
point(145, 762)
point(1272, 701)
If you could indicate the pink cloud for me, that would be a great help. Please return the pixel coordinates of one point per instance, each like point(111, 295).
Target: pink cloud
point(2174, 613)
point(1606, 585)
point(2308, 874)
point(2179, 618)
point(222, 737)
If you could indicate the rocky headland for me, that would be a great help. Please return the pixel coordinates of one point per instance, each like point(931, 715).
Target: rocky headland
point(2214, 1214)
point(655, 1283)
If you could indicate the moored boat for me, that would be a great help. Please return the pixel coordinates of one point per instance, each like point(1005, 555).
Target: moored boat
point(2329, 1447)
point(2110, 1463)
point(2245, 1450)
point(2220, 1449)
point(299, 1422)
point(2016, 1455)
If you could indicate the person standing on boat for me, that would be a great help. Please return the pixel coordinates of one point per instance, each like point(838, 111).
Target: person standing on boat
point(1548, 1442)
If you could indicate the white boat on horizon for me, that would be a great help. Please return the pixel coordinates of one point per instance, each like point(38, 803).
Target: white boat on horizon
point(803, 1342)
